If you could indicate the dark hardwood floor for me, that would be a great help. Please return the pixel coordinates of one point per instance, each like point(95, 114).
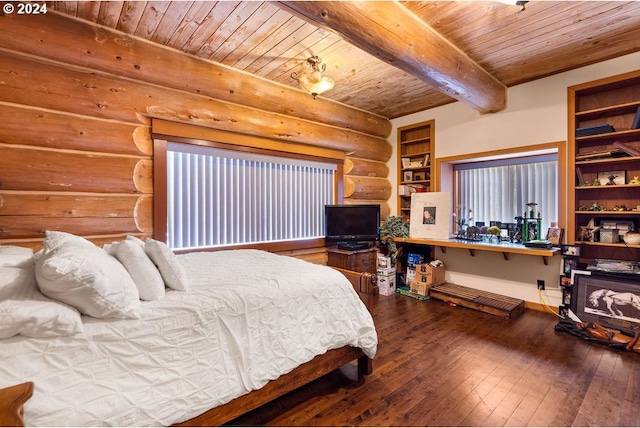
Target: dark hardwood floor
point(439, 365)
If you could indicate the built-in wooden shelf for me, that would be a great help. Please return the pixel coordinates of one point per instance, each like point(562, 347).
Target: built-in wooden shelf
point(505, 248)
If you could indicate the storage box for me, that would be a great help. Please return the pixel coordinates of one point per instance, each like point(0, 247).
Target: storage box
point(412, 261)
point(384, 262)
point(429, 274)
point(609, 236)
point(386, 271)
point(387, 284)
point(419, 287)
point(404, 190)
point(624, 226)
point(608, 224)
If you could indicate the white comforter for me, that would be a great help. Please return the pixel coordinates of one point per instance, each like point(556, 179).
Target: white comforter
point(249, 317)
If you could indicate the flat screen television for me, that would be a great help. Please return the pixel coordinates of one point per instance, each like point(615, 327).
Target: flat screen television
point(352, 227)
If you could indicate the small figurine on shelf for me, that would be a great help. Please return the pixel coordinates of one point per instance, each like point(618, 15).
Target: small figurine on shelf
point(532, 224)
point(462, 221)
point(588, 232)
point(635, 181)
point(517, 233)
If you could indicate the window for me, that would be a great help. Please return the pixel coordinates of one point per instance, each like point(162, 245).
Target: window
point(218, 197)
point(499, 190)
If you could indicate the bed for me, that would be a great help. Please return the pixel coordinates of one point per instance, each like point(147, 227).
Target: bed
point(247, 327)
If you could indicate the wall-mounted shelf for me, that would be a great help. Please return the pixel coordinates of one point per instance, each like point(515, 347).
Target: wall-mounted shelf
point(505, 248)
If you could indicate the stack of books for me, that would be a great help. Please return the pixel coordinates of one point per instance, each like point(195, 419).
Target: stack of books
point(594, 130)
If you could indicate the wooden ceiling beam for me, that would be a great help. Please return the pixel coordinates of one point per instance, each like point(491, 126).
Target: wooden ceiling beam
point(391, 32)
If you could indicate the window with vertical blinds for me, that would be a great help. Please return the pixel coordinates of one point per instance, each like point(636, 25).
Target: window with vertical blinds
point(221, 197)
point(499, 190)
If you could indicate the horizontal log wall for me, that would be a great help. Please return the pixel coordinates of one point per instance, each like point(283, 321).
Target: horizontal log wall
point(76, 103)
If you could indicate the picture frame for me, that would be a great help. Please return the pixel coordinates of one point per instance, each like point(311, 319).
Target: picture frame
point(418, 176)
point(555, 235)
point(579, 176)
point(565, 281)
point(569, 265)
point(592, 300)
point(636, 120)
point(406, 162)
point(430, 215)
point(610, 178)
point(407, 176)
point(571, 250)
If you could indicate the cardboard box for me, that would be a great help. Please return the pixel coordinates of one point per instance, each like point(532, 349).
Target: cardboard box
point(386, 272)
point(384, 262)
point(412, 261)
point(419, 287)
point(429, 274)
point(387, 284)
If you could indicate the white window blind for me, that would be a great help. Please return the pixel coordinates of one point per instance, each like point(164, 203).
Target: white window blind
point(221, 197)
point(500, 190)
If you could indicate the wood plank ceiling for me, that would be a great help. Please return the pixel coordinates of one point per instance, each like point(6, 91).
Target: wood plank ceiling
point(263, 38)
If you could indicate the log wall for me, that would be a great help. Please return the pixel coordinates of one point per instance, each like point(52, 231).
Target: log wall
point(76, 103)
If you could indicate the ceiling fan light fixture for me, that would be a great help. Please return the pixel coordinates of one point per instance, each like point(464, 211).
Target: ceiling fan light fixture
point(312, 79)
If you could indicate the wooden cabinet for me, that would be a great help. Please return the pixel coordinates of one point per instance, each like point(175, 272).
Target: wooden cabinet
point(601, 114)
point(415, 148)
point(355, 260)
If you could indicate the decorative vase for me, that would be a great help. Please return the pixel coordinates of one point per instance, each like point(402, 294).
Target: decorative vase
point(632, 238)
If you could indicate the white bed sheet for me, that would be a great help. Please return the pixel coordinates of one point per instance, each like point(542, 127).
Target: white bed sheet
point(249, 316)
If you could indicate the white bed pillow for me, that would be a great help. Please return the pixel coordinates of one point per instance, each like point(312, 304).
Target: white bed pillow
point(135, 239)
point(141, 269)
point(24, 310)
point(173, 273)
point(15, 256)
point(74, 271)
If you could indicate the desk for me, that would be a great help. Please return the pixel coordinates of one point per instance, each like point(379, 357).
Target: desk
point(505, 248)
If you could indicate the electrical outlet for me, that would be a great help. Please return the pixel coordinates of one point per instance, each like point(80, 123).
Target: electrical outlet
point(541, 284)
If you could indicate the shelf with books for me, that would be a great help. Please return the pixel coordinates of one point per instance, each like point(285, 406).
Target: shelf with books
point(604, 152)
point(630, 108)
point(415, 147)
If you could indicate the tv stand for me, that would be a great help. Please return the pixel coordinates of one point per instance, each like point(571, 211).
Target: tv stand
point(353, 246)
point(363, 260)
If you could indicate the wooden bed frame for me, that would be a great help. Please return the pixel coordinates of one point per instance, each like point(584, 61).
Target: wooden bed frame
point(12, 399)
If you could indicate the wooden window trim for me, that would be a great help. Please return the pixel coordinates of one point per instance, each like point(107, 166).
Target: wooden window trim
point(164, 131)
point(445, 176)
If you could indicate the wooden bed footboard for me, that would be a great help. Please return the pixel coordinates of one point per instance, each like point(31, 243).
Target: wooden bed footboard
point(11, 401)
point(314, 369)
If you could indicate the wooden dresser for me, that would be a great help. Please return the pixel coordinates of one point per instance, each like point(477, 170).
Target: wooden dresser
point(356, 260)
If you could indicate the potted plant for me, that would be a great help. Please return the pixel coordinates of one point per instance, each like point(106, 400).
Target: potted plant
point(392, 227)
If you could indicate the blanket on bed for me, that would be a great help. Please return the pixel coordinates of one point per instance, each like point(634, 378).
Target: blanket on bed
point(248, 317)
